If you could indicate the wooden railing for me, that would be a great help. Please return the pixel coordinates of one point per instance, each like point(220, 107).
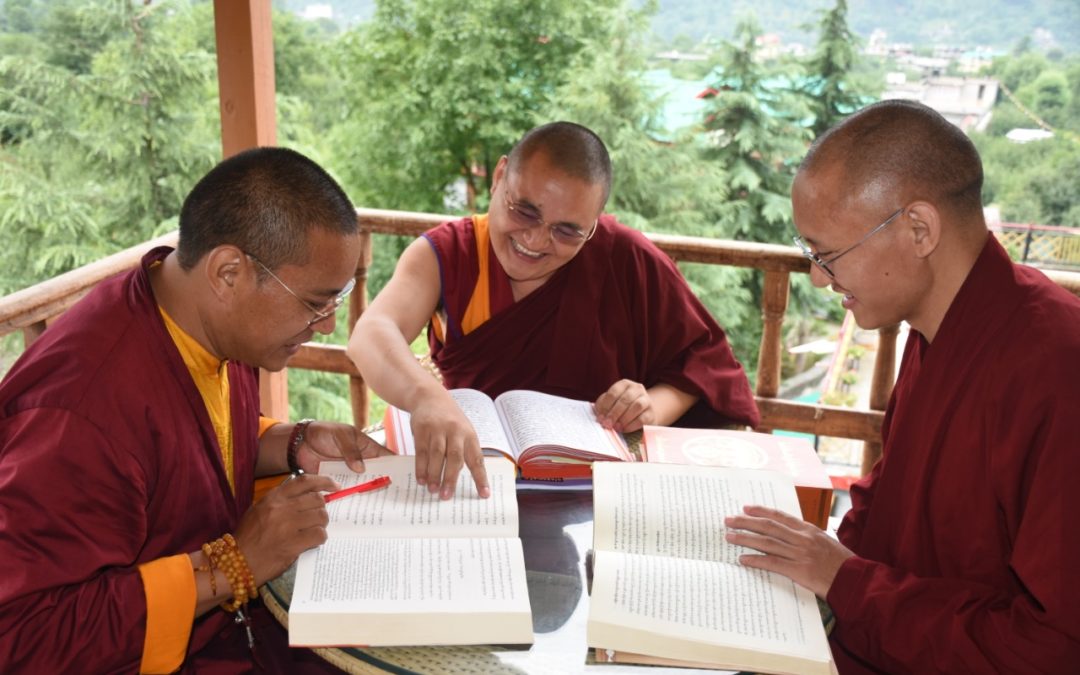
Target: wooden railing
point(32, 309)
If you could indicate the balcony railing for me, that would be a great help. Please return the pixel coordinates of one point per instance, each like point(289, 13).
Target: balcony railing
point(1043, 246)
point(32, 309)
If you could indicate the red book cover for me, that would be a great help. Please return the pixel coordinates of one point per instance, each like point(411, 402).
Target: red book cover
point(747, 450)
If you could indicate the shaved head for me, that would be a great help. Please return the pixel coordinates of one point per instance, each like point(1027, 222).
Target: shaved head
point(897, 151)
point(570, 148)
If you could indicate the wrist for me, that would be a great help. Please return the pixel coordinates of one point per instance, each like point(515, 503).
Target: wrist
point(292, 448)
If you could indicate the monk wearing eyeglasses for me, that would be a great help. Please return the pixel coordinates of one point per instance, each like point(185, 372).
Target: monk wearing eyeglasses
point(131, 437)
point(960, 553)
point(545, 292)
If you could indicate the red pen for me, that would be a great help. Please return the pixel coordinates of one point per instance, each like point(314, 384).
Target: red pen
point(373, 484)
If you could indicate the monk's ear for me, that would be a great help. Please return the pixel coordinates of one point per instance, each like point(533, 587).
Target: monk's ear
point(924, 226)
point(499, 174)
point(226, 266)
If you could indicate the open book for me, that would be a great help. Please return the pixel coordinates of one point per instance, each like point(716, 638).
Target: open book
point(748, 450)
point(402, 567)
point(668, 589)
point(545, 436)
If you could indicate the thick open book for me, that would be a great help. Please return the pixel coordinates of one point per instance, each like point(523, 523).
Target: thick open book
point(668, 589)
point(402, 567)
point(748, 450)
point(547, 437)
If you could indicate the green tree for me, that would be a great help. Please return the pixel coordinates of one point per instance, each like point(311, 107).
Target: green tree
point(828, 83)
point(99, 156)
point(438, 90)
point(755, 132)
point(1050, 96)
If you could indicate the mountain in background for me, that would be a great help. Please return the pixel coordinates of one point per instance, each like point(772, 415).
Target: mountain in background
point(999, 24)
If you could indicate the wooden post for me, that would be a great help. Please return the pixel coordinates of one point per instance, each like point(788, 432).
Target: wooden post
point(881, 387)
point(358, 391)
point(774, 302)
point(32, 333)
point(245, 56)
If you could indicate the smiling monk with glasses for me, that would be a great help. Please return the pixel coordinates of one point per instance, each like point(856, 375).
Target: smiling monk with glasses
point(959, 553)
point(545, 292)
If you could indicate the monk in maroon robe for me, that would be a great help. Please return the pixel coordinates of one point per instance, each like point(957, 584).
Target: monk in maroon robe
point(545, 293)
point(130, 436)
point(959, 554)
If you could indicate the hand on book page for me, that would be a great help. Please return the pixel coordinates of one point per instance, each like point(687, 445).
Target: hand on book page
point(802, 552)
point(444, 441)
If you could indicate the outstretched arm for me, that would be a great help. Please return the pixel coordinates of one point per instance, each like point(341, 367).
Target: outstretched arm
point(445, 440)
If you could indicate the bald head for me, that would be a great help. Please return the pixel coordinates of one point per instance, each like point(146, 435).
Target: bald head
point(899, 151)
point(569, 148)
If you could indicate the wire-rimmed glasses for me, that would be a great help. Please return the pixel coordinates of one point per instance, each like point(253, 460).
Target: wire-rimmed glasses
point(563, 233)
point(321, 313)
point(824, 263)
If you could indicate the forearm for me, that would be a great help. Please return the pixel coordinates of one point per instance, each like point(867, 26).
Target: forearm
point(273, 446)
point(389, 366)
point(669, 403)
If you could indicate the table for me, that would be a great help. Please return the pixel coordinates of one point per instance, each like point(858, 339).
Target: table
point(556, 535)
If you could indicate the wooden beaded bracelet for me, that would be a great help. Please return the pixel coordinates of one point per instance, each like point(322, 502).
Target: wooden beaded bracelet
point(225, 555)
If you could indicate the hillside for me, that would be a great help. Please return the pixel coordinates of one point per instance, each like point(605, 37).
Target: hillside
point(993, 23)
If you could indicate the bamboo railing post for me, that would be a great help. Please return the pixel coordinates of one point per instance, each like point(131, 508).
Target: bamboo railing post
point(774, 302)
point(358, 391)
point(881, 387)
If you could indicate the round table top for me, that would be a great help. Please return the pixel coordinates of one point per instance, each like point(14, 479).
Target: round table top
point(556, 531)
point(556, 534)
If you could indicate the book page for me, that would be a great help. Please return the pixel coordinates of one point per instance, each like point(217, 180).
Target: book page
point(678, 510)
point(359, 591)
point(710, 603)
point(381, 573)
point(480, 411)
point(536, 419)
point(406, 509)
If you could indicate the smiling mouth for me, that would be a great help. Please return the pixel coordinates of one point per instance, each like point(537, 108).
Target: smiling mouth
point(520, 248)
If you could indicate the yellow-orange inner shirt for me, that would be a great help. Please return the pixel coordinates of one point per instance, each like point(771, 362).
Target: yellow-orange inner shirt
point(169, 583)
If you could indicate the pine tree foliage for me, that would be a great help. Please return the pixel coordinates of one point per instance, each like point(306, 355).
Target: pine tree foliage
point(828, 84)
point(755, 132)
point(99, 152)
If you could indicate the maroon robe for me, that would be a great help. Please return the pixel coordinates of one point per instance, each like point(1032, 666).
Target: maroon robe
point(967, 552)
point(619, 309)
point(108, 460)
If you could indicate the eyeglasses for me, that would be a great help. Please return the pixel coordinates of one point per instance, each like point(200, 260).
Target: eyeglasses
point(321, 313)
point(563, 233)
point(824, 263)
